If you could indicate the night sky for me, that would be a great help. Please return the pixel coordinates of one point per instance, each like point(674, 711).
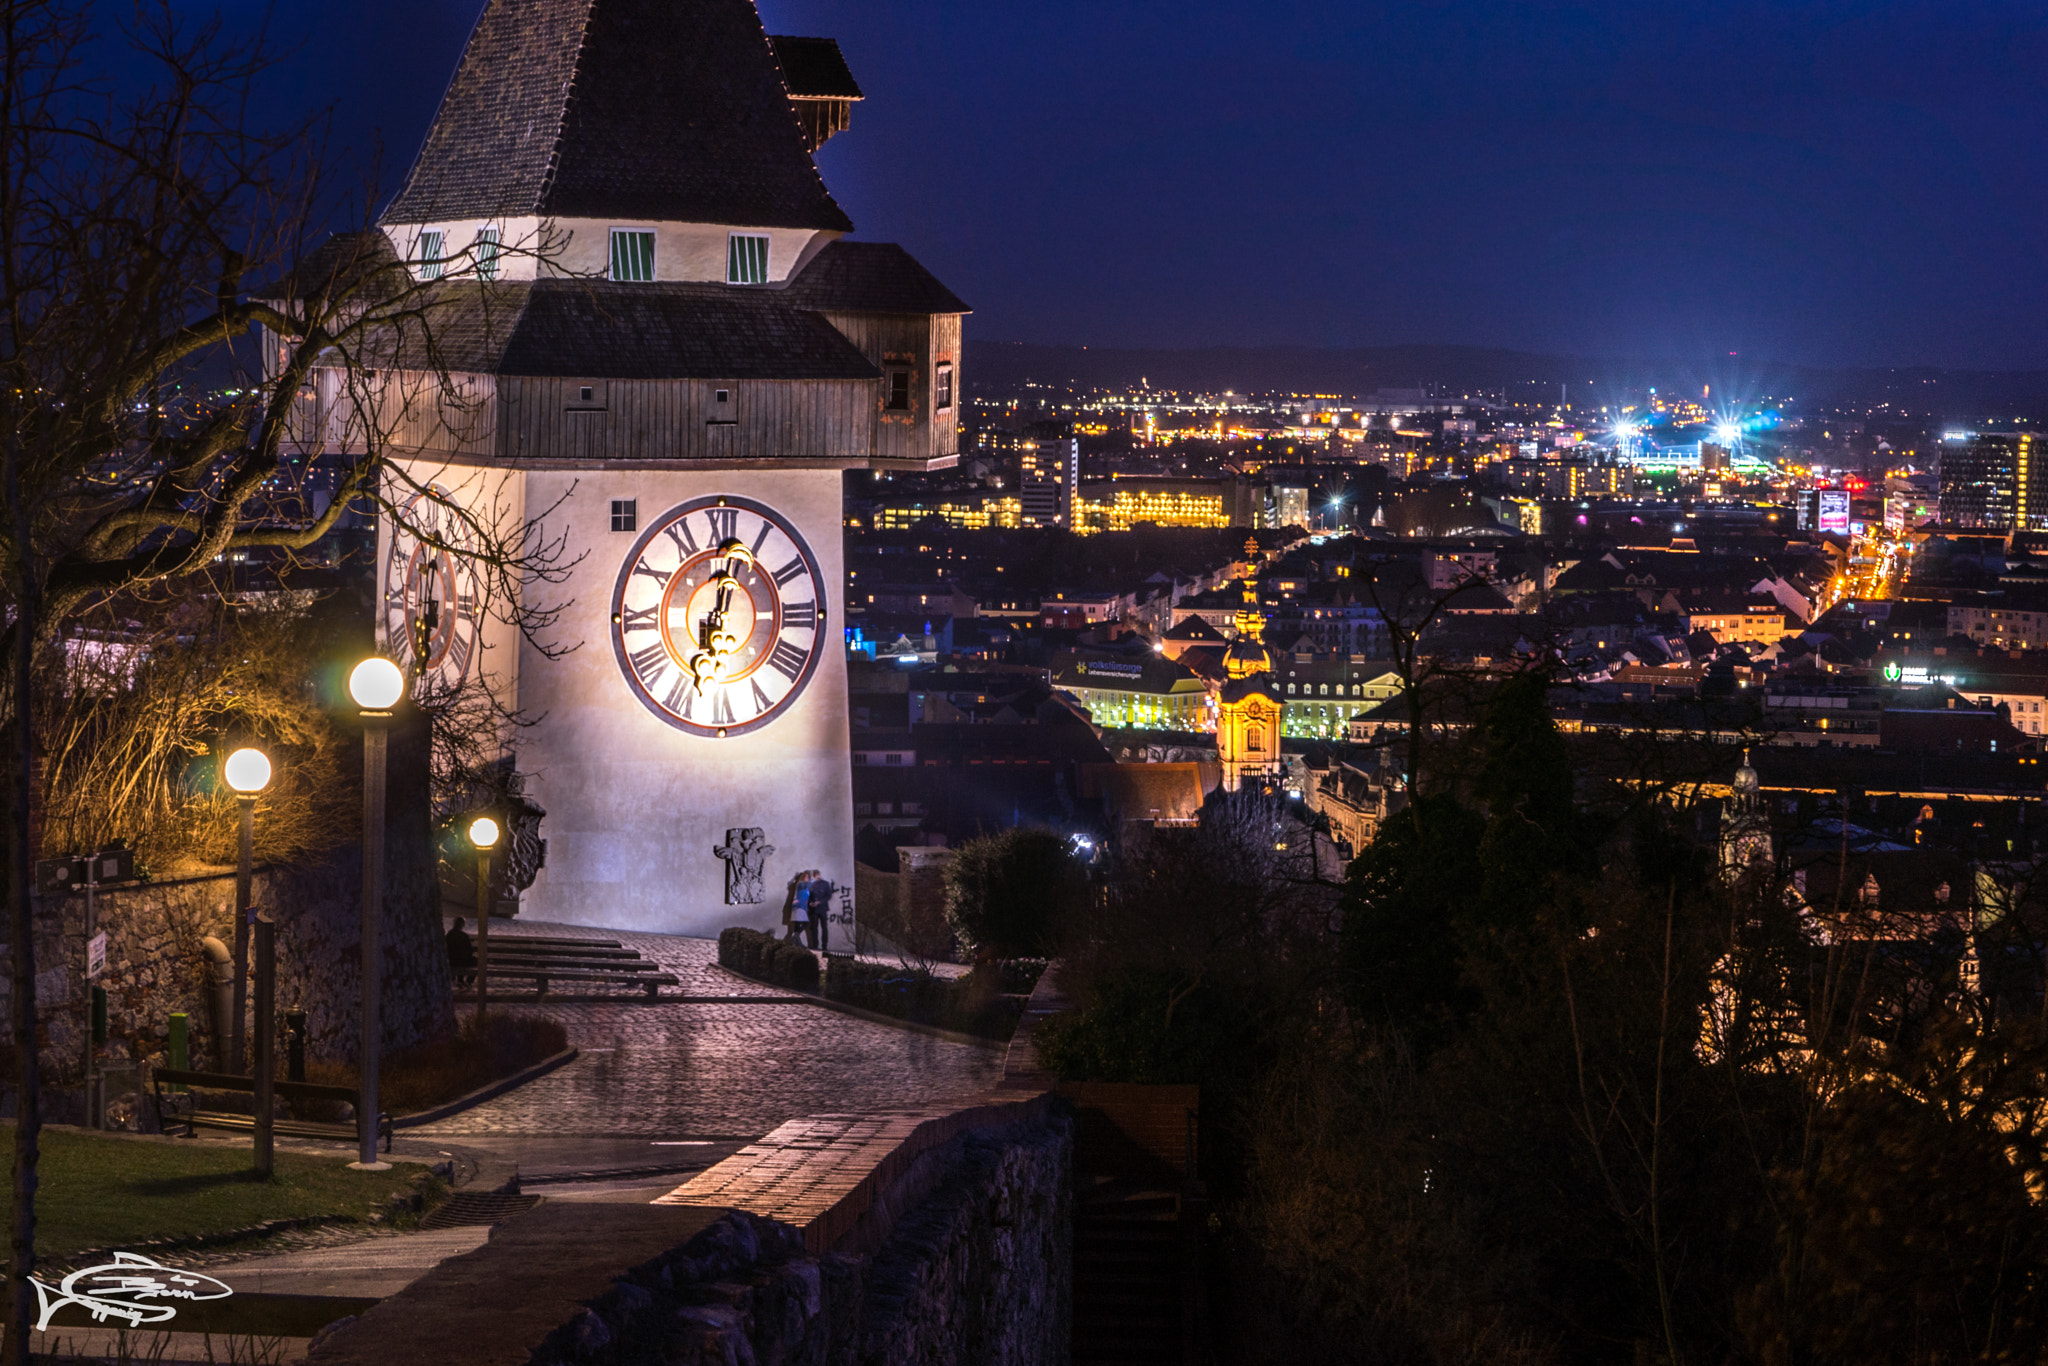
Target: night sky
point(1828, 183)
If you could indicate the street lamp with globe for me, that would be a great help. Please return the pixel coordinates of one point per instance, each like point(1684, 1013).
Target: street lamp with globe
point(247, 771)
point(483, 833)
point(376, 685)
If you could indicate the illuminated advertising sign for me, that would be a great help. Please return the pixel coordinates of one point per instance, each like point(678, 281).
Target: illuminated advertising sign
point(1833, 510)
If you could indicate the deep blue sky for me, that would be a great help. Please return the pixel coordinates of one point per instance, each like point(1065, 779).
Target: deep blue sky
point(1845, 182)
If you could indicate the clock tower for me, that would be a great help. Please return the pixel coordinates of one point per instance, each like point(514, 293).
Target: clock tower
point(652, 342)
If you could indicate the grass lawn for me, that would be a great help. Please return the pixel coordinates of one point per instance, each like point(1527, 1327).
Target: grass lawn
point(100, 1190)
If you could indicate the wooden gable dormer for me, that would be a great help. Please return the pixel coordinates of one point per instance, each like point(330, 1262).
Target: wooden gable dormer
point(907, 324)
point(822, 90)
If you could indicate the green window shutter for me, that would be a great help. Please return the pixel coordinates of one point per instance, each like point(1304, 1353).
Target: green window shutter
point(746, 260)
point(487, 254)
point(430, 256)
point(632, 255)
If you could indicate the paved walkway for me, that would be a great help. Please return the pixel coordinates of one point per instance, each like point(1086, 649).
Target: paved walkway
point(712, 1071)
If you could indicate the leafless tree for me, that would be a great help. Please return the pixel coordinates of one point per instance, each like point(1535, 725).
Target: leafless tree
point(151, 384)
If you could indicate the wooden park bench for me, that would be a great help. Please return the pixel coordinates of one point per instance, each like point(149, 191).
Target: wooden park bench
point(545, 975)
point(182, 1108)
point(541, 948)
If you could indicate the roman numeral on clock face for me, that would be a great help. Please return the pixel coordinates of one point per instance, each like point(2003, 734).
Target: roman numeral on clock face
point(802, 616)
point(648, 657)
point(789, 571)
point(786, 659)
point(640, 619)
point(680, 695)
point(761, 702)
point(721, 708)
point(725, 524)
point(679, 532)
point(458, 652)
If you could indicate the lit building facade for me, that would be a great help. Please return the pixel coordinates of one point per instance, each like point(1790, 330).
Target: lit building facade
point(2010, 623)
point(981, 514)
point(1758, 622)
point(1994, 480)
point(1048, 480)
point(1120, 504)
point(1153, 694)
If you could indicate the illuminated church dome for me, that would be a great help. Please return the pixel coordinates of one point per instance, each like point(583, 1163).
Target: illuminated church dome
point(1746, 841)
point(1247, 656)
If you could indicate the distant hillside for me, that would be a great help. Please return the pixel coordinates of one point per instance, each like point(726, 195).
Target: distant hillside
point(1003, 368)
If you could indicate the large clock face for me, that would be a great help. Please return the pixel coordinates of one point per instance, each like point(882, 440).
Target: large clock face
point(431, 599)
point(718, 618)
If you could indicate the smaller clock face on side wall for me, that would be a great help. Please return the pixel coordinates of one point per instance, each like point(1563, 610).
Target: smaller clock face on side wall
point(718, 616)
point(432, 603)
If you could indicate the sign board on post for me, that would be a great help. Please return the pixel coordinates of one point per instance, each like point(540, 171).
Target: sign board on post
point(56, 876)
point(96, 955)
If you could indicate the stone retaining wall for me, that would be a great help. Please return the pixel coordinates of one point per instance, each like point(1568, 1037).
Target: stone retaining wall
point(918, 1239)
point(156, 964)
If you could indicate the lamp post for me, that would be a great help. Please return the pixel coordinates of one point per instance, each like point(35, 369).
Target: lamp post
point(483, 833)
point(247, 772)
point(376, 685)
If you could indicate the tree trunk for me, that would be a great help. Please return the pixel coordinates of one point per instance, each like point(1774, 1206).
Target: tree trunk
point(21, 920)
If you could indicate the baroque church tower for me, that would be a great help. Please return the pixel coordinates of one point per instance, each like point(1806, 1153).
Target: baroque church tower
point(1248, 706)
point(1746, 841)
point(666, 353)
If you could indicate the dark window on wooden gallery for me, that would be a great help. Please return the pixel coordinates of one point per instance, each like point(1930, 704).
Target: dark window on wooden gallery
point(898, 399)
point(943, 387)
point(625, 514)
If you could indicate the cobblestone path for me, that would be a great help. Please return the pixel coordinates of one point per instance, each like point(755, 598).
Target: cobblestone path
point(681, 1070)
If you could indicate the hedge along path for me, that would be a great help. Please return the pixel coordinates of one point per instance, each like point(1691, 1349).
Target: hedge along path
point(756, 955)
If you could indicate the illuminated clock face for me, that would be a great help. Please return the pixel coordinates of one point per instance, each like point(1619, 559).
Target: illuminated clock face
point(718, 617)
point(432, 603)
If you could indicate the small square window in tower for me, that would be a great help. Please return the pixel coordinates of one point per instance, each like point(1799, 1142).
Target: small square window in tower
point(633, 255)
point(897, 400)
point(625, 514)
point(487, 241)
point(746, 259)
point(428, 257)
point(942, 386)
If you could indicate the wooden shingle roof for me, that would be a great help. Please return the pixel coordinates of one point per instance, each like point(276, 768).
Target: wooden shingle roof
point(870, 277)
point(642, 110)
point(815, 69)
point(598, 329)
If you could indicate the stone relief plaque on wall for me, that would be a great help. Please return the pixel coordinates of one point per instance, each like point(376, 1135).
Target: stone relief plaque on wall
point(745, 851)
